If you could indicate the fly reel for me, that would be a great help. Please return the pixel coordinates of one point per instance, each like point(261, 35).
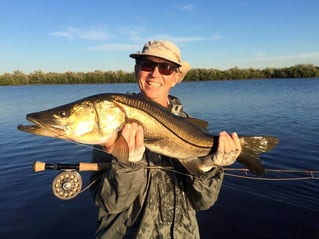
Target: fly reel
point(67, 184)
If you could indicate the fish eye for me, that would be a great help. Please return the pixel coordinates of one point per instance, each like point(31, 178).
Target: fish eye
point(62, 114)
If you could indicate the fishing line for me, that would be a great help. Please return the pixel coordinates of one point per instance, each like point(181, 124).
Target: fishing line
point(311, 173)
point(91, 183)
point(240, 173)
point(246, 176)
point(272, 198)
point(256, 178)
point(84, 145)
point(172, 169)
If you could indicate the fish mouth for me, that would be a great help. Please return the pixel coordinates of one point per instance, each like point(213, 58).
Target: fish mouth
point(40, 128)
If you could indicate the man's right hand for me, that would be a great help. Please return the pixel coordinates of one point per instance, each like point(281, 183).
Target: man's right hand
point(134, 136)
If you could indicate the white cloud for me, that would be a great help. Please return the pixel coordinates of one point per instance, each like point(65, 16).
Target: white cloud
point(295, 57)
point(124, 38)
point(186, 39)
point(73, 33)
point(178, 39)
point(262, 60)
point(187, 7)
point(114, 47)
point(137, 42)
point(216, 37)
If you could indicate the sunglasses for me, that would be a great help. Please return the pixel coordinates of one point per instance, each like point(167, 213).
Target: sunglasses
point(163, 68)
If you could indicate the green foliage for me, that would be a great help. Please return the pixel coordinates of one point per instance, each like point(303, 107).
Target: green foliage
point(199, 74)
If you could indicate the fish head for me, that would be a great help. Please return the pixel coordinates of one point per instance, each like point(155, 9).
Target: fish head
point(84, 122)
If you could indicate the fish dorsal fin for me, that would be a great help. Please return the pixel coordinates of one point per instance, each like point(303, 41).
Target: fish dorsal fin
point(198, 122)
point(120, 150)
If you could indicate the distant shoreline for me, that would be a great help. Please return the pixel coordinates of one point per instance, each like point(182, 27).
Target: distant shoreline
point(119, 76)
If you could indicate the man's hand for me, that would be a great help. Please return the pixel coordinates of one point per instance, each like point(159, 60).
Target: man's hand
point(134, 136)
point(228, 150)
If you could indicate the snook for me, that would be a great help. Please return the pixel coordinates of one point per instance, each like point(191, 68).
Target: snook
point(94, 119)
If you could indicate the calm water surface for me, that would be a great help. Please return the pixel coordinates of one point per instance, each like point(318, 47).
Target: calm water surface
point(247, 208)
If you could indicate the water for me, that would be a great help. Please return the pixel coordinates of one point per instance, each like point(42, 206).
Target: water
point(288, 109)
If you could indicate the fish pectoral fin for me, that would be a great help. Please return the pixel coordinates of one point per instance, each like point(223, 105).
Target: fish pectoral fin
point(251, 160)
point(120, 150)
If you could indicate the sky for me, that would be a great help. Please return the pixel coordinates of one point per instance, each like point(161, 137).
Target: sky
point(89, 35)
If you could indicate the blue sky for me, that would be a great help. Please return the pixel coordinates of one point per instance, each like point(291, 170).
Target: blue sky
point(74, 35)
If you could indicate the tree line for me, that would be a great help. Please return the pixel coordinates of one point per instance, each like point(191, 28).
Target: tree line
point(197, 74)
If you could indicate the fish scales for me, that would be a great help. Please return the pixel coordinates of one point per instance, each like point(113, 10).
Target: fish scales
point(179, 126)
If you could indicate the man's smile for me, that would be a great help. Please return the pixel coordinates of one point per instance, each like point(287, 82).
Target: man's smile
point(154, 84)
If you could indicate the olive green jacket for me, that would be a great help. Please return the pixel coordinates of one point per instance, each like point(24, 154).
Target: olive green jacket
point(150, 200)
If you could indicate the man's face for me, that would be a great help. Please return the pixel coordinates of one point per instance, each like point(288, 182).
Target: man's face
point(154, 84)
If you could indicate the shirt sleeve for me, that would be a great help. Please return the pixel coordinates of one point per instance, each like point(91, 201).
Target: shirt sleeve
point(118, 186)
point(204, 189)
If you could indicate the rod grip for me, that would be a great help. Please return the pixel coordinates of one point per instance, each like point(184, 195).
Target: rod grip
point(38, 166)
point(93, 166)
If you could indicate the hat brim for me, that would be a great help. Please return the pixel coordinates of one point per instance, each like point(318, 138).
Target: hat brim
point(141, 55)
point(184, 69)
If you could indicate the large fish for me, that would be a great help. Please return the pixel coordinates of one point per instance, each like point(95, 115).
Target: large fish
point(94, 119)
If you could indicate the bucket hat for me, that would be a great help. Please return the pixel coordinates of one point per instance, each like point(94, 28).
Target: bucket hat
point(165, 50)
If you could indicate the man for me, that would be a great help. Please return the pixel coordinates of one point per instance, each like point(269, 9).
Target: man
point(136, 200)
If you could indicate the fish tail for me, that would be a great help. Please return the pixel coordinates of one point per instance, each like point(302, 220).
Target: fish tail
point(252, 147)
point(252, 162)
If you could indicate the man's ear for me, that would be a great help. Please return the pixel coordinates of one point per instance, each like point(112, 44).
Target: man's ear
point(176, 79)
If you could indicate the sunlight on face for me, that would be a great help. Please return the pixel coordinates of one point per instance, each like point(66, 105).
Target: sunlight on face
point(155, 85)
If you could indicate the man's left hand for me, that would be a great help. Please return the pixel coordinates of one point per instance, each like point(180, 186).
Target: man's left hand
point(228, 150)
